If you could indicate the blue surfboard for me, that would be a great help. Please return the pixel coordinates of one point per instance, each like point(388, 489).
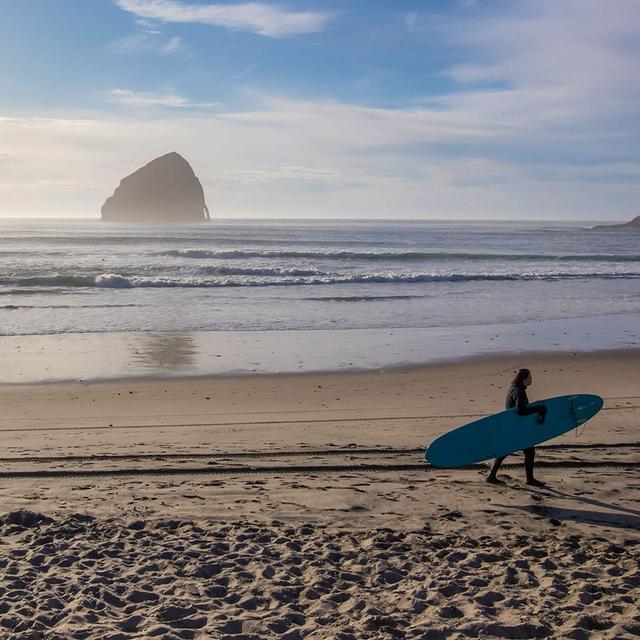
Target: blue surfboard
point(506, 432)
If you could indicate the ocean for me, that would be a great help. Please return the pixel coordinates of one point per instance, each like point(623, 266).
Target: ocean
point(272, 275)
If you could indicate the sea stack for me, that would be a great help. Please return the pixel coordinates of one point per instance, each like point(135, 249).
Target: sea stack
point(634, 224)
point(165, 191)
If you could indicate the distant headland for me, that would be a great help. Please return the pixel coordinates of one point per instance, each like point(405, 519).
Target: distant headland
point(634, 224)
point(164, 191)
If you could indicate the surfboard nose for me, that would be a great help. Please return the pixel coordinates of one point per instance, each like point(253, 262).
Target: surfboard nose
point(591, 403)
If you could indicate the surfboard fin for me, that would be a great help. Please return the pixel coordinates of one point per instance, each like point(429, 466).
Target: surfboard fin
point(579, 421)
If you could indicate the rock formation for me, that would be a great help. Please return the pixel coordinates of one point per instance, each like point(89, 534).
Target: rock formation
point(634, 224)
point(165, 191)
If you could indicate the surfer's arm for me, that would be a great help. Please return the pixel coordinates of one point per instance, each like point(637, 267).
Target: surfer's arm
point(524, 408)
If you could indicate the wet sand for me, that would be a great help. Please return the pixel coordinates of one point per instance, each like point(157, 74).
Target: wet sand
point(178, 354)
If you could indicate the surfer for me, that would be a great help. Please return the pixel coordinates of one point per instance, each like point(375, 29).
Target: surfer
point(517, 397)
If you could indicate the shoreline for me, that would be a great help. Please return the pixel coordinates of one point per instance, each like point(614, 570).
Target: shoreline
point(530, 358)
point(99, 357)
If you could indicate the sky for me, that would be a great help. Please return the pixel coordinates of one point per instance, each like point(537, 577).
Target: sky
point(388, 109)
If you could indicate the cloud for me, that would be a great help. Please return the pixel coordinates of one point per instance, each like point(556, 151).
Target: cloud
point(149, 42)
point(309, 158)
point(6, 159)
point(144, 99)
point(410, 20)
point(174, 45)
point(245, 72)
point(147, 98)
point(256, 17)
point(555, 79)
point(278, 173)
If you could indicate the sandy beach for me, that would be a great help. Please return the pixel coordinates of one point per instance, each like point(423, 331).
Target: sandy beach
point(299, 506)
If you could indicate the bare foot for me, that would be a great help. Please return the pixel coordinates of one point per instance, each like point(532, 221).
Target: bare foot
point(494, 480)
point(536, 483)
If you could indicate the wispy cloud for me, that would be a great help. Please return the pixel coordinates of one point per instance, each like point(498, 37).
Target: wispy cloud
point(410, 20)
point(309, 158)
point(149, 42)
point(152, 99)
point(260, 18)
point(559, 81)
point(270, 174)
point(174, 45)
point(244, 72)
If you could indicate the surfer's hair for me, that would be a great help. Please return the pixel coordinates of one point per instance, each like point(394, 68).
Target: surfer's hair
point(521, 376)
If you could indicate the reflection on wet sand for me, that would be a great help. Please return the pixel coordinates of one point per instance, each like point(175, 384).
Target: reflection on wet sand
point(165, 351)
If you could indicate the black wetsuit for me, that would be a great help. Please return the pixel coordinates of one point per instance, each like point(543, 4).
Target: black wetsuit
point(517, 398)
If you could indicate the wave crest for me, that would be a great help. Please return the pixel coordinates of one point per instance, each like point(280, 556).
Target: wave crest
point(261, 279)
point(239, 254)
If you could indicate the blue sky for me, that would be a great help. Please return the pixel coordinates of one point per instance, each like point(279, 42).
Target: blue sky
point(321, 108)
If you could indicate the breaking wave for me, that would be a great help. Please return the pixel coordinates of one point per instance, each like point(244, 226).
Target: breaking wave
point(239, 254)
point(260, 271)
point(262, 279)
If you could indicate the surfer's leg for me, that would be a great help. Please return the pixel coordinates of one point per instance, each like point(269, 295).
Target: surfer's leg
point(529, 458)
point(494, 470)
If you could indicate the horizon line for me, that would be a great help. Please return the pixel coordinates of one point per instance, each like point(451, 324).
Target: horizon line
point(315, 219)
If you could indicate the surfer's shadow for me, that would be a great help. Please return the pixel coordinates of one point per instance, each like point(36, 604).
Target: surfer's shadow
point(616, 520)
point(614, 516)
point(592, 501)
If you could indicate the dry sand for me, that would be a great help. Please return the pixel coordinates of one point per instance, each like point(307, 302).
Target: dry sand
point(132, 510)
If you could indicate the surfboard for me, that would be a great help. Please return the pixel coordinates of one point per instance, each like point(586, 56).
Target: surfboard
point(507, 432)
